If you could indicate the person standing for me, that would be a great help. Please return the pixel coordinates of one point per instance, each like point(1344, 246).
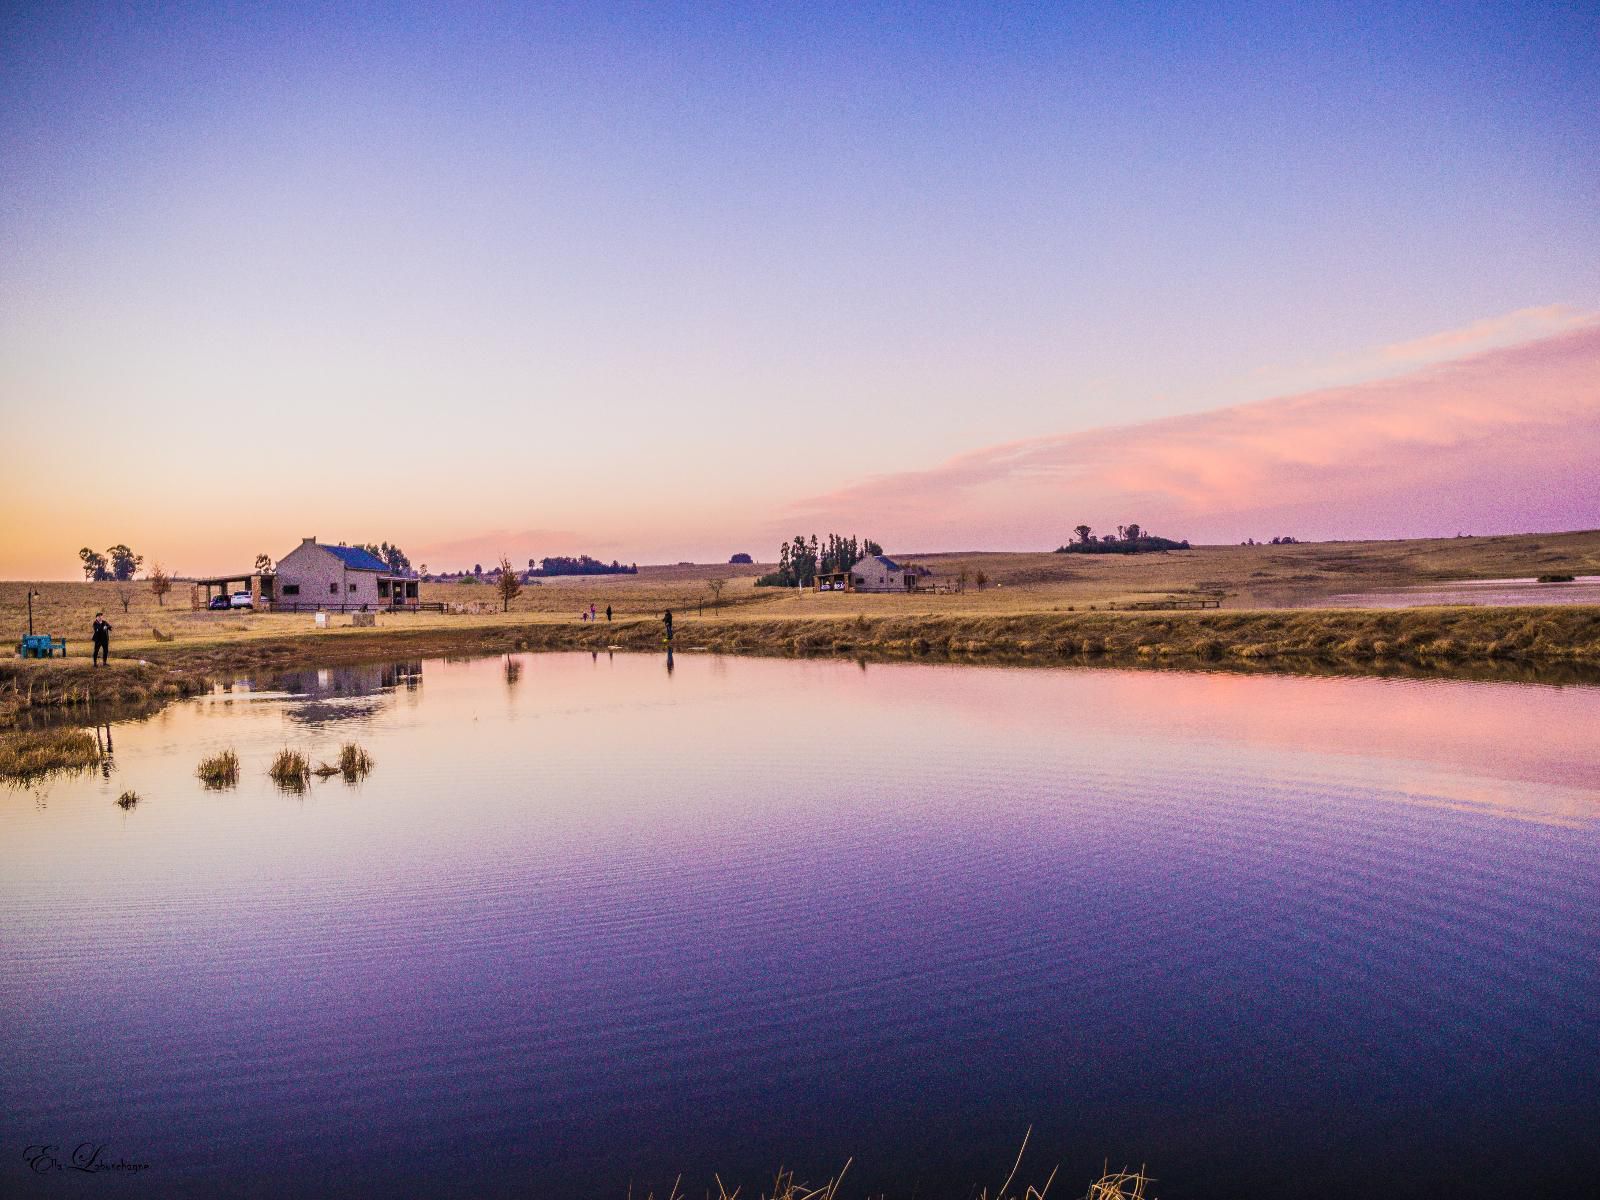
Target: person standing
point(667, 621)
point(102, 639)
point(608, 614)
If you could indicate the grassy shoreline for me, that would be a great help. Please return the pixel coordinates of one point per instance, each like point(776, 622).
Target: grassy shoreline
point(1562, 642)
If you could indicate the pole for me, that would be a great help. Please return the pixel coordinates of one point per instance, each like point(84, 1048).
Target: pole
point(31, 595)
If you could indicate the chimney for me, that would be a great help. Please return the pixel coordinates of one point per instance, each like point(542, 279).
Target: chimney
point(310, 541)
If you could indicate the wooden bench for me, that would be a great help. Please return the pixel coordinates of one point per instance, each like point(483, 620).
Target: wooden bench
point(41, 645)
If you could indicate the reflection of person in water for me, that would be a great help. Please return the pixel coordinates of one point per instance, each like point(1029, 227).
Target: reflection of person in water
point(669, 660)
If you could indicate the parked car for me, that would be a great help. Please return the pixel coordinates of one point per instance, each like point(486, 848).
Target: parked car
point(241, 600)
point(218, 602)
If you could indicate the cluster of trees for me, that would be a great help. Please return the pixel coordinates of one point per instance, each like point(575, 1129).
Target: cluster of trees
point(742, 559)
point(582, 565)
point(118, 563)
point(800, 561)
point(1278, 541)
point(394, 557)
point(1129, 539)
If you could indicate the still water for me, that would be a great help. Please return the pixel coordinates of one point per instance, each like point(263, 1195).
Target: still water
point(591, 925)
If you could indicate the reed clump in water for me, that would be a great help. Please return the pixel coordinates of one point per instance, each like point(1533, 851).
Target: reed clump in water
point(354, 762)
point(219, 771)
point(127, 800)
point(29, 754)
point(290, 770)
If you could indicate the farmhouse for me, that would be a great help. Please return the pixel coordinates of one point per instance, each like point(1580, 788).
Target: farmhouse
point(339, 578)
point(875, 573)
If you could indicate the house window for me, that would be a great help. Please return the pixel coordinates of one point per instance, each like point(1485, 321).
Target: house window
point(291, 589)
point(349, 587)
point(383, 588)
point(333, 589)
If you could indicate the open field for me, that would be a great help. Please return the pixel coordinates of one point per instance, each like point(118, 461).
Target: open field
point(1037, 607)
point(1242, 577)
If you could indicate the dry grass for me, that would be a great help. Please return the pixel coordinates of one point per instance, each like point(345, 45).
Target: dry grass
point(1039, 607)
point(127, 800)
point(1245, 577)
point(290, 770)
point(354, 764)
point(1112, 1185)
point(1120, 1185)
point(26, 755)
point(219, 770)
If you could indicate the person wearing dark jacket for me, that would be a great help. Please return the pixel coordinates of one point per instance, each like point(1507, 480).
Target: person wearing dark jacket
point(102, 639)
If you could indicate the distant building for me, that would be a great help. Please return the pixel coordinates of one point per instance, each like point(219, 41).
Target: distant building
point(875, 573)
point(313, 576)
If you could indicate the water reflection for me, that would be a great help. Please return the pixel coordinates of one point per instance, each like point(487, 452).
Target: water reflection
point(331, 694)
point(899, 913)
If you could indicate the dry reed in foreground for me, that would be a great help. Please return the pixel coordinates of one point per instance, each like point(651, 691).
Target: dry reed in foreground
point(31, 754)
point(1112, 1185)
point(290, 770)
point(219, 771)
point(127, 800)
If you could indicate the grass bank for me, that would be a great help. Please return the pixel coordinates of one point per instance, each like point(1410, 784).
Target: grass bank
point(1560, 643)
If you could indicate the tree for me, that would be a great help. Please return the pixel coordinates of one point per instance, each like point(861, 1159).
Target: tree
point(716, 586)
point(125, 595)
point(741, 559)
point(423, 569)
point(1132, 535)
point(1083, 532)
point(507, 583)
point(870, 548)
point(263, 563)
point(980, 579)
point(160, 583)
point(124, 562)
point(477, 568)
point(961, 579)
point(94, 565)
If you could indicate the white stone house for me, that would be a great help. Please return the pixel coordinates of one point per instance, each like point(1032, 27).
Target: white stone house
point(879, 573)
point(339, 578)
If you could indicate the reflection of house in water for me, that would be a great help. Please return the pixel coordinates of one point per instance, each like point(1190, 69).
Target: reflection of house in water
point(340, 693)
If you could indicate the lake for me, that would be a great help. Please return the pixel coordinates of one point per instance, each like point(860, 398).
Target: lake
point(591, 924)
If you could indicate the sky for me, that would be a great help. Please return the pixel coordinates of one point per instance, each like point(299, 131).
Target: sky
point(663, 282)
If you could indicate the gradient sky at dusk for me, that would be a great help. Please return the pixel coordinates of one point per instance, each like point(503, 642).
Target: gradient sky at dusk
point(658, 282)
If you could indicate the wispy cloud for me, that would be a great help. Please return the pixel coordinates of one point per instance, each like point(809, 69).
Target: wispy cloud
point(1522, 325)
point(1505, 439)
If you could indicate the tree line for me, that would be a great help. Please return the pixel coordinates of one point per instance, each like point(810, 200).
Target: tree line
point(800, 561)
point(582, 565)
point(1129, 539)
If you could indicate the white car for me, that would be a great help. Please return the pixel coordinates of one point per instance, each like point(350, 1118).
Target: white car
point(241, 600)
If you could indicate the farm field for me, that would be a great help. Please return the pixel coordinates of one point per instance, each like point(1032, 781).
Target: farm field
point(1262, 577)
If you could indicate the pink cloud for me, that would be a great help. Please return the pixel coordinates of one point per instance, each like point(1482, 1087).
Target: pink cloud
point(1504, 440)
point(1517, 326)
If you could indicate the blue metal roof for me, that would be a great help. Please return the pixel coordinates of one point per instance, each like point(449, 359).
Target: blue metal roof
point(888, 562)
point(357, 559)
